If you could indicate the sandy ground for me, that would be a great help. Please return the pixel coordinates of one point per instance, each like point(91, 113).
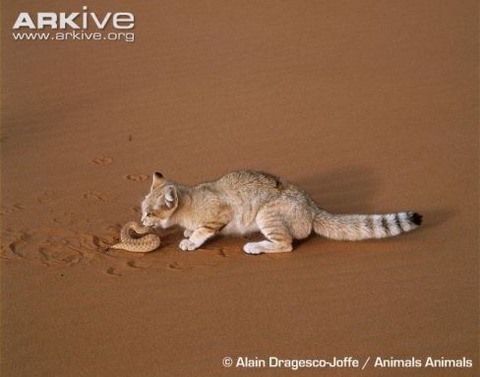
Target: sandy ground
point(370, 106)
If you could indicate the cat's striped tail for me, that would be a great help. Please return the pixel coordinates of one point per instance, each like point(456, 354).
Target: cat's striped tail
point(362, 227)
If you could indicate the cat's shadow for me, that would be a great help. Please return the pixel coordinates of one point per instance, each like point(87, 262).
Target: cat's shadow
point(345, 190)
point(352, 190)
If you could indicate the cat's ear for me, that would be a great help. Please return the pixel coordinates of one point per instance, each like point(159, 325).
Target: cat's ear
point(157, 180)
point(170, 196)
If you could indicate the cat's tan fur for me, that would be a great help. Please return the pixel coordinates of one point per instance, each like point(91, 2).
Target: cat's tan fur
point(247, 201)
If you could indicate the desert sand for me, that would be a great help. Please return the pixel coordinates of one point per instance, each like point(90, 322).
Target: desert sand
point(370, 106)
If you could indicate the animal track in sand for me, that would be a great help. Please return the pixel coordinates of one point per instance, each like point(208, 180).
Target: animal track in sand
point(50, 247)
point(102, 161)
point(182, 266)
point(62, 248)
point(113, 271)
point(48, 196)
point(11, 209)
point(119, 266)
point(57, 247)
point(97, 196)
point(136, 177)
point(64, 218)
point(139, 265)
point(221, 252)
point(178, 266)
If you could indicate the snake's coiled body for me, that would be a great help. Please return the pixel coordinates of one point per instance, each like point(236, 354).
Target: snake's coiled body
point(148, 242)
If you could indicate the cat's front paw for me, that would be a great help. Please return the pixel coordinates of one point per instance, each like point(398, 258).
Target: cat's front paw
point(187, 245)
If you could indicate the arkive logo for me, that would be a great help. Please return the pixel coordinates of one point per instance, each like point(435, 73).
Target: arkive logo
point(75, 20)
point(84, 25)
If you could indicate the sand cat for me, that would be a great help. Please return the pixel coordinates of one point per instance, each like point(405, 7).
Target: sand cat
point(243, 202)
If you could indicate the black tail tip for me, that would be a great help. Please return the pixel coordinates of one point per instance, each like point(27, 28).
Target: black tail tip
point(417, 218)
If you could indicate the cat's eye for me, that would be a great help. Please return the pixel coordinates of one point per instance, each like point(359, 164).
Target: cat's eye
point(149, 214)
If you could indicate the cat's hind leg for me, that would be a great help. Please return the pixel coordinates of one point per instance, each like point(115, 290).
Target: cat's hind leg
point(264, 247)
point(271, 225)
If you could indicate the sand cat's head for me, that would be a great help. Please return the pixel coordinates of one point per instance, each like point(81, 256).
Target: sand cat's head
point(161, 202)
